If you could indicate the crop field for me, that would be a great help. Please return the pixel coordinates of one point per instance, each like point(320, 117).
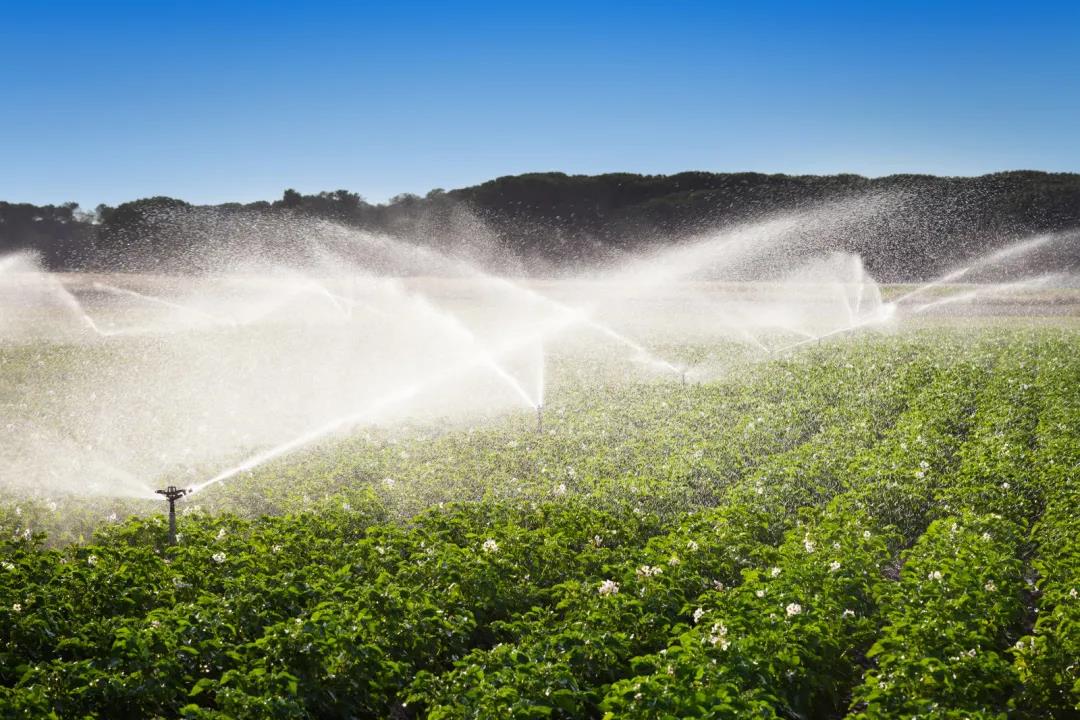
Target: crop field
point(878, 527)
point(540, 361)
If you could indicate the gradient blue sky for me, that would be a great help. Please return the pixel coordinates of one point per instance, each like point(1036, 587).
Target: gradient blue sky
point(216, 101)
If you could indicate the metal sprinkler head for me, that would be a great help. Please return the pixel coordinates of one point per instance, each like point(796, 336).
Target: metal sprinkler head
point(172, 494)
point(539, 418)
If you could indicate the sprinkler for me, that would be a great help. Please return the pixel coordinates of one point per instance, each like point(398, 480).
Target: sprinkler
point(172, 494)
point(540, 419)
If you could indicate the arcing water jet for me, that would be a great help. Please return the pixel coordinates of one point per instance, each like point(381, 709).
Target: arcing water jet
point(988, 290)
point(105, 287)
point(371, 412)
point(1016, 249)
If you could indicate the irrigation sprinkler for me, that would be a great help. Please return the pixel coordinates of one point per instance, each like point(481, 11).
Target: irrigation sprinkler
point(172, 494)
point(540, 419)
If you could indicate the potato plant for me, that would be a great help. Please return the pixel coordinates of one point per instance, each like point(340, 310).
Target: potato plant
point(881, 527)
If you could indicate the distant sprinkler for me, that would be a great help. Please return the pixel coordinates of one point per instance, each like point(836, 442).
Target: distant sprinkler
point(539, 419)
point(172, 494)
point(682, 376)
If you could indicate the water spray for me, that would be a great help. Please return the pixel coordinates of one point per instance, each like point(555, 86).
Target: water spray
point(1016, 249)
point(388, 401)
point(153, 300)
point(172, 494)
point(882, 317)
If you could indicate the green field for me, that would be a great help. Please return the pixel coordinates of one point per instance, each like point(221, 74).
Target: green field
point(881, 527)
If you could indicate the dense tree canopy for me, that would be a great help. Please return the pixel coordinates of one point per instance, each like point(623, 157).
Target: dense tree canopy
point(554, 221)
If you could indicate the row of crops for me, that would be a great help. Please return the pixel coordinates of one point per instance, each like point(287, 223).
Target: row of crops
point(879, 529)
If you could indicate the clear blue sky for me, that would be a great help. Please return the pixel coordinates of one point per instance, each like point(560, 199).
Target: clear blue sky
point(214, 101)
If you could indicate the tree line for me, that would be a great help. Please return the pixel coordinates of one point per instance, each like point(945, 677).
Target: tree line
point(552, 222)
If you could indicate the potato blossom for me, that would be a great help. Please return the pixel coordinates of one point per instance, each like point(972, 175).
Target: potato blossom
point(609, 587)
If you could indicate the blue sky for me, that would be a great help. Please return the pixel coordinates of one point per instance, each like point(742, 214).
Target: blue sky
point(216, 101)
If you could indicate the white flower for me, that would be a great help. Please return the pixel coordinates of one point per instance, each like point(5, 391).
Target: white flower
point(647, 571)
point(560, 489)
point(760, 593)
point(179, 583)
point(692, 546)
point(697, 615)
point(847, 614)
point(935, 575)
point(793, 609)
point(179, 537)
point(774, 572)
point(597, 540)
point(221, 534)
point(718, 585)
point(866, 534)
point(990, 586)
point(809, 545)
point(1073, 593)
point(718, 636)
point(155, 624)
point(218, 557)
point(112, 517)
point(986, 536)
point(674, 560)
point(17, 607)
point(346, 506)
point(92, 560)
point(834, 566)
point(275, 549)
point(1004, 486)
point(609, 587)
point(7, 566)
point(490, 546)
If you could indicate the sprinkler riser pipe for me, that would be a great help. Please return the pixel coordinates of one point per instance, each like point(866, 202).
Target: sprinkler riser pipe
point(172, 494)
point(172, 522)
